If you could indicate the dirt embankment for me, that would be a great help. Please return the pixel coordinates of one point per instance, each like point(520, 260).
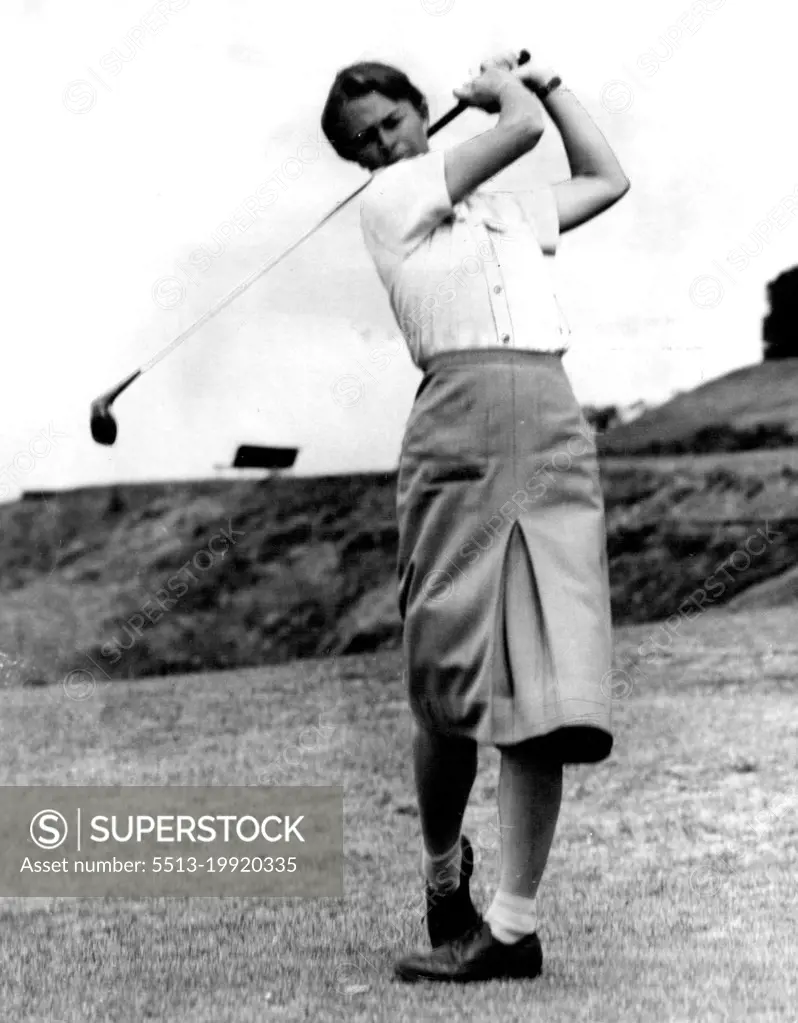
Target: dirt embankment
point(158, 579)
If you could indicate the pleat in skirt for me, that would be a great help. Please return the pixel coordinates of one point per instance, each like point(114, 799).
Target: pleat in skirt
point(503, 583)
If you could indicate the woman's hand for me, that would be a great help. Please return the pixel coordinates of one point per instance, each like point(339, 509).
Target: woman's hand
point(485, 90)
point(507, 60)
point(534, 73)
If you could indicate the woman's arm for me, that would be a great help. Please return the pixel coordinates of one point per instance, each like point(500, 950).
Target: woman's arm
point(597, 179)
point(518, 130)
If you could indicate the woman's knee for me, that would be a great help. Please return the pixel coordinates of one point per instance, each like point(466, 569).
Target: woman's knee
point(455, 746)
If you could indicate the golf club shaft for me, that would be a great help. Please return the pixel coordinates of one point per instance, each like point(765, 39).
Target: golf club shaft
point(239, 289)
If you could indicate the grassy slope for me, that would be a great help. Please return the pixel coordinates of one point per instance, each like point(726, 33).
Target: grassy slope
point(313, 569)
point(705, 741)
point(763, 394)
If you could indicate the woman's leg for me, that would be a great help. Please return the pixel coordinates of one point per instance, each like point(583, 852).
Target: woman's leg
point(530, 789)
point(445, 769)
point(530, 792)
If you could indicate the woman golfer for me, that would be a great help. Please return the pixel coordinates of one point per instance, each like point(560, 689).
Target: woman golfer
point(503, 585)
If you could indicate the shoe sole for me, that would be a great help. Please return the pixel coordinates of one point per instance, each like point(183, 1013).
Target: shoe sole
point(519, 973)
point(519, 970)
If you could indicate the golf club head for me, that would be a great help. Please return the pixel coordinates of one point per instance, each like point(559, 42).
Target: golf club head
point(103, 424)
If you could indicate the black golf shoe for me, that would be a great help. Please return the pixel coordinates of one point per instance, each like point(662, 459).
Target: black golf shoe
point(475, 955)
point(450, 914)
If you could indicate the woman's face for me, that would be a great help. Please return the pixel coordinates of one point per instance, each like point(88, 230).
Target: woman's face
point(382, 130)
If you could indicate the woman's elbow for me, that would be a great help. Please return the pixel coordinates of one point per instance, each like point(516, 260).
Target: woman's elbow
point(622, 186)
point(615, 188)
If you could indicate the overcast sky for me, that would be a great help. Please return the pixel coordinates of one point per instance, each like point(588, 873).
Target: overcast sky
point(137, 137)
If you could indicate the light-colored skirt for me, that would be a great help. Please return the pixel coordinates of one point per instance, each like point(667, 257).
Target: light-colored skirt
point(503, 586)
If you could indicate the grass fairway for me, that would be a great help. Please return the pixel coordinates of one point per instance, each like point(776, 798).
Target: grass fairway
point(670, 893)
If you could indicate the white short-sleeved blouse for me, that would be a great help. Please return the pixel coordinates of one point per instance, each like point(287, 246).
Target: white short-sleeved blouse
point(474, 275)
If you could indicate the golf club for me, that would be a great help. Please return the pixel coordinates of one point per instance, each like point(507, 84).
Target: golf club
point(102, 422)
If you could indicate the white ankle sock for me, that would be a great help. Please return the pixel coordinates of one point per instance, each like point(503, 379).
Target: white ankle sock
point(443, 872)
point(511, 917)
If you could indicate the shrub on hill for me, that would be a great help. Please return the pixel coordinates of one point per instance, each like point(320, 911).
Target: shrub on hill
point(780, 326)
point(723, 437)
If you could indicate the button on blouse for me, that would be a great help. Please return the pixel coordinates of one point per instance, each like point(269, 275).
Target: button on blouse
point(472, 275)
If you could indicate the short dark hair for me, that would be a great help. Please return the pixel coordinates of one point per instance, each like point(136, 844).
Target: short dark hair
point(359, 80)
